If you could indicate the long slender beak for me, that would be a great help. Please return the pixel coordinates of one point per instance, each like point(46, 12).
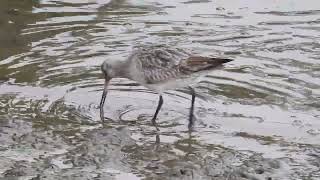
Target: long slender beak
point(103, 98)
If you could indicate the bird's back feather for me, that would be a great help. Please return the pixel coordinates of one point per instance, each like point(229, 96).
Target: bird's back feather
point(157, 63)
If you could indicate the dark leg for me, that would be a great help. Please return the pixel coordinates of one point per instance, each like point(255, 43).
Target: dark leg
point(103, 99)
point(191, 120)
point(157, 111)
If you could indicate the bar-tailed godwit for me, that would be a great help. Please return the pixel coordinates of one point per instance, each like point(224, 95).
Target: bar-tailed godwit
point(160, 68)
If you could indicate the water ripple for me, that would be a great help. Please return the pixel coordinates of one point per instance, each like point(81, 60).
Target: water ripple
point(261, 110)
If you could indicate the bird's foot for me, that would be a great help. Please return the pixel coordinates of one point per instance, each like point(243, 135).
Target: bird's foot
point(154, 123)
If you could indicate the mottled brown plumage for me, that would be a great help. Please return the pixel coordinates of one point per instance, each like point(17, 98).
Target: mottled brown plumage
point(157, 64)
point(199, 63)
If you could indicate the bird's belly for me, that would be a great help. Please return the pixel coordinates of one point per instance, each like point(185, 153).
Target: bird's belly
point(173, 84)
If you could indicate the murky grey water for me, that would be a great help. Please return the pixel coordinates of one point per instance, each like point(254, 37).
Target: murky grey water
point(256, 119)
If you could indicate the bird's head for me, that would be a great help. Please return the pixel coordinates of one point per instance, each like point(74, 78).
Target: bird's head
point(108, 73)
point(107, 70)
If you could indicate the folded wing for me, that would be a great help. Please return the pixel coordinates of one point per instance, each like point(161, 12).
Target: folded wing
point(198, 63)
point(161, 64)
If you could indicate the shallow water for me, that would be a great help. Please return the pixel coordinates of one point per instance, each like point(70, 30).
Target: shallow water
point(257, 118)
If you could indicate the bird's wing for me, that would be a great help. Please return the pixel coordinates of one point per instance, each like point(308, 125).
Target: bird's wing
point(159, 64)
point(198, 63)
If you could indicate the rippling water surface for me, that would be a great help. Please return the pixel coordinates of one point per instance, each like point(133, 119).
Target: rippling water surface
point(258, 118)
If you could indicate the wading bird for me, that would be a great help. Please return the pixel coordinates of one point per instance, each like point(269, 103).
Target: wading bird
point(160, 68)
